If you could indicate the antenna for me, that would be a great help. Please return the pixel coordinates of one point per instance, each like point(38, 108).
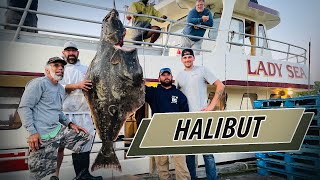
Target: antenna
point(309, 67)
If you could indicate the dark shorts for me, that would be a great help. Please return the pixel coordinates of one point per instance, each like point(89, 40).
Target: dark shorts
point(140, 35)
point(44, 161)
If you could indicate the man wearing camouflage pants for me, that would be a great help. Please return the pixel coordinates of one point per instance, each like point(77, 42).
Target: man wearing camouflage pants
point(40, 111)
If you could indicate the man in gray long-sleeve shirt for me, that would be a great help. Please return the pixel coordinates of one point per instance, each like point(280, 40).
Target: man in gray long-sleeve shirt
point(40, 110)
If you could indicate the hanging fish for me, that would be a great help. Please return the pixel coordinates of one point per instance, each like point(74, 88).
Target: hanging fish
point(117, 88)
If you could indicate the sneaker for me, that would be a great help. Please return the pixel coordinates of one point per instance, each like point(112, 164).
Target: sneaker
point(54, 178)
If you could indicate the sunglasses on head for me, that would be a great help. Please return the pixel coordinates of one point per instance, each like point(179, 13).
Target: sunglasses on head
point(165, 69)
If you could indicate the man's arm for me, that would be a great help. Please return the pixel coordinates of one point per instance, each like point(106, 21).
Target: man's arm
point(217, 95)
point(65, 121)
point(149, 93)
point(183, 106)
point(29, 99)
point(133, 9)
point(158, 14)
point(210, 21)
point(192, 18)
point(84, 85)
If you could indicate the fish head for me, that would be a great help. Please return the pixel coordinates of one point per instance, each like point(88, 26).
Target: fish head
point(112, 30)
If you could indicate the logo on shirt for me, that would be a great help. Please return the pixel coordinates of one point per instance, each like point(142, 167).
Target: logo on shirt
point(174, 99)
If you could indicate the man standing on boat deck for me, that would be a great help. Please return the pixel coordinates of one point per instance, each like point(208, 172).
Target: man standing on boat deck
point(143, 7)
point(76, 109)
point(40, 111)
point(192, 81)
point(197, 16)
point(162, 99)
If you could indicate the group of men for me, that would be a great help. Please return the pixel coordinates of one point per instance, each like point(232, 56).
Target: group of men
point(54, 111)
point(51, 130)
point(197, 18)
point(188, 95)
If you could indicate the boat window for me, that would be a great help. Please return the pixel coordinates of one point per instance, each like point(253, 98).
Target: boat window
point(213, 33)
point(261, 33)
point(237, 26)
point(9, 102)
point(250, 40)
point(247, 100)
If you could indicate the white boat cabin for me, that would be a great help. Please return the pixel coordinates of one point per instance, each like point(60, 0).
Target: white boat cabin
point(236, 49)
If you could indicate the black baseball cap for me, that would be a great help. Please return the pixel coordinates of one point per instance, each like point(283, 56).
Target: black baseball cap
point(163, 70)
point(56, 59)
point(187, 52)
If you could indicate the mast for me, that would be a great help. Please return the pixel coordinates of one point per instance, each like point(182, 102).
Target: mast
point(309, 67)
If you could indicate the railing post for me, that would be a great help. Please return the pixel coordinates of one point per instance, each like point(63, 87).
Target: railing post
point(24, 15)
point(288, 52)
point(168, 35)
point(305, 57)
point(264, 43)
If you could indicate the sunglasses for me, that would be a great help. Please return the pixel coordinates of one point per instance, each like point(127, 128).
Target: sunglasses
point(165, 70)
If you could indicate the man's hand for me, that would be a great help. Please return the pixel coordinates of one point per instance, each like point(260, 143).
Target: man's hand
point(207, 109)
point(84, 85)
point(196, 27)
point(77, 128)
point(128, 17)
point(34, 141)
point(205, 18)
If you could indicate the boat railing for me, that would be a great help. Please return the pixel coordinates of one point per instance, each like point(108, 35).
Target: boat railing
point(26, 149)
point(164, 45)
point(288, 53)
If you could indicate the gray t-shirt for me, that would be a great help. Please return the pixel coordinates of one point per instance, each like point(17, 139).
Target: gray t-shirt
point(40, 108)
point(194, 85)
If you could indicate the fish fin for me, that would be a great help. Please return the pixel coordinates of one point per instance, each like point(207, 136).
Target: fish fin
point(106, 158)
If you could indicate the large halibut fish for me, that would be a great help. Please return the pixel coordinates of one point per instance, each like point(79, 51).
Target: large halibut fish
point(117, 88)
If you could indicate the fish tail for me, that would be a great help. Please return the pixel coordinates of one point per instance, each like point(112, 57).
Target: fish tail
point(106, 158)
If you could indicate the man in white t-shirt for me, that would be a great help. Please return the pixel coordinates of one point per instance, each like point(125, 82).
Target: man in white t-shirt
point(75, 107)
point(192, 81)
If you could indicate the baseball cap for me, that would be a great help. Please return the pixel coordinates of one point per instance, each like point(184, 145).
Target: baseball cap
point(168, 70)
point(187, 52)
point(70, 44)
point(56, 59)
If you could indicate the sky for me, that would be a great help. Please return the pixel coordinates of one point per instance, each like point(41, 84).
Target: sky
point(299, 23)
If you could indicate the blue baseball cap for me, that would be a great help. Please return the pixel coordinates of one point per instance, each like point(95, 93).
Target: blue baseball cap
point(168, 70)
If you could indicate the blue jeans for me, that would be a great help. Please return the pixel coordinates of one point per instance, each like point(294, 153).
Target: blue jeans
point(210, 166)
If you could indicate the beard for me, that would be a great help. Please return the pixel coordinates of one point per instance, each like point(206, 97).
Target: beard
point(166, 84)
point(72, 59)
point(54, 76)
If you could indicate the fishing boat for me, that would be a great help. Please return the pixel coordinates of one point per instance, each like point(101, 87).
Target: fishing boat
point(236, 49)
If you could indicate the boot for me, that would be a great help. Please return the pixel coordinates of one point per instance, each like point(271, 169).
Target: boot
point(76, 163)
point(81, 163)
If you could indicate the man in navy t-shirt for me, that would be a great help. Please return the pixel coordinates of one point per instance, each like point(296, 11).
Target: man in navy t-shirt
point(162, 99)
